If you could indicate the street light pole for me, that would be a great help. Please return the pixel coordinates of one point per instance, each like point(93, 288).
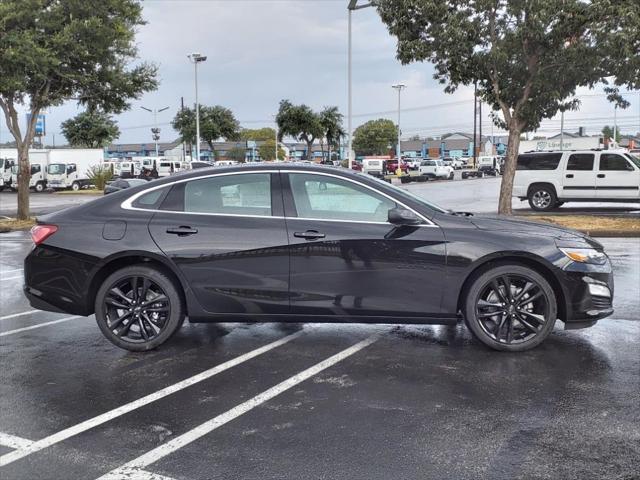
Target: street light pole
point(399, 87)
point(155, 130)
point(196, 58)
point(353, 5)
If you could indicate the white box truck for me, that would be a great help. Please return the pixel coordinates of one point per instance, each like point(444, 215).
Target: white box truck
point(5, 172)
point(69, 168)
point(38, 159)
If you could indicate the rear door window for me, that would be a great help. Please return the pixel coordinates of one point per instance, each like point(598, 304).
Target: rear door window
point(580, 161)
point(538, 161)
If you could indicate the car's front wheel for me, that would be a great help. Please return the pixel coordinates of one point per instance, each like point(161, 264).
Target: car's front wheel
point(138, 308)
point(511, 308)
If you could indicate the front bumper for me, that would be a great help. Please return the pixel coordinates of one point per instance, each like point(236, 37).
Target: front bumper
point(588, 293)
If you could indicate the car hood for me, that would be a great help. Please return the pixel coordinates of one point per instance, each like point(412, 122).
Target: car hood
point(529, 227)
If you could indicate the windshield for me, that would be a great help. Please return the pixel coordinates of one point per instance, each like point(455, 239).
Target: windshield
point(405, 194)
point(634, 159)
point(56, 168)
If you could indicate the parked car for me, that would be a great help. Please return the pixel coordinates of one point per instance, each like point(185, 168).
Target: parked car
point(121, 184)
point(374, 166)
point(489, 165)
point(549, 179)
point(287, 242)
point(392, 166)
point(201, 164)
point(436, 169)
point(414, 162)
point(457, 164)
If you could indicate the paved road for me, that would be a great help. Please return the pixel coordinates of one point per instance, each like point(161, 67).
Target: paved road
point(41, 203)
point(411, 402)
point(472, 195)
point(481, 196)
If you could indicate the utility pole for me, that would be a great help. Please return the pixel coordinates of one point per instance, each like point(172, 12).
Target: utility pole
point(475, 118)
point(399, 87)
point(184, 146)
point(480, 125)
point(196, 58)
point(615, 125)
point(561, 130)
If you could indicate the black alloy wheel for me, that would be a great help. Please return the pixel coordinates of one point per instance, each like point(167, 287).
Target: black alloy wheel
point(138, 308)
point(511, 308)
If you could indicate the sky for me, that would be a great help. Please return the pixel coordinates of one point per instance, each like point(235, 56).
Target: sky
point(262, 51)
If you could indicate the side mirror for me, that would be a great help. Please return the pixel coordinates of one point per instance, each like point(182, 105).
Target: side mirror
point(402, 216)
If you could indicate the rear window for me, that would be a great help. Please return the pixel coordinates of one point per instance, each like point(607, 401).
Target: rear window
point(580, 161)
point(538, 161)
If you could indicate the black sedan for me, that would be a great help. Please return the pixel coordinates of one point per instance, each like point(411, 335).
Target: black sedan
point(291, 242)
point(122, 183)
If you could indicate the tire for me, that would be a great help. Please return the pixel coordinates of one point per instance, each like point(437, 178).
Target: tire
point(75, 186)
point(39, 187)
point(542, 198)
point(451, 176)
point(510, 329)
point(481, 175)
point(148, 328)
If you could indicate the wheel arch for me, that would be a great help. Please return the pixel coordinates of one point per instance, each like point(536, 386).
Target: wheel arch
point(126, 259)
point(518, 258)
point(534, 185)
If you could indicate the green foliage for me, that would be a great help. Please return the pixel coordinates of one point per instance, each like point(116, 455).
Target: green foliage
point(258, 134)
point(238, 154)
point(99, 176)
point(55, 51)
point(215, 122)
point(267, 150)
point(607, 132)
point(300, 122)
point(375, 137)
point(331, 123)
point(527, 57)
point(90, 130)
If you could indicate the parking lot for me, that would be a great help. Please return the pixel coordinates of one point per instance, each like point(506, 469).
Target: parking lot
point(304, 401)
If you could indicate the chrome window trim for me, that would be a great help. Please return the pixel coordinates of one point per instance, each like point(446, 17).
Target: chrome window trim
point(127, 204)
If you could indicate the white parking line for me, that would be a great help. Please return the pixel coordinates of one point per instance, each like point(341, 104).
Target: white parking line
point(40, 325)
point(117, 412)
point(136, 474)
point(14, 315)
point(12, 441)
point(131, 468)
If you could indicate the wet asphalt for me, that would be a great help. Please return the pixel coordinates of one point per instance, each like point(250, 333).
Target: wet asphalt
point(420, 402)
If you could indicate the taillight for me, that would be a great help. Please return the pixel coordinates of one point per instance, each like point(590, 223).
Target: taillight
point(39, 233)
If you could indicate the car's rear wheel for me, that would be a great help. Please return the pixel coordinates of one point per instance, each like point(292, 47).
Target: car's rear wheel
point(542, 198)
point(138, 308)
point(511, 308)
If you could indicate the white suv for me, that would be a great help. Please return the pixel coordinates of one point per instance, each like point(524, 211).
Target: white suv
point(435, 169)
point(549, 179)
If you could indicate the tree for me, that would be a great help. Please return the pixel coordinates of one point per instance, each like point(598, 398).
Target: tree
point(258, 134)
point(375, 137)
point(90, 130)
point(607, 132)
point(267, 150)
point(52, 52)
point(215, 122)
point(331, 124)
point(527, 57)
point(300, 122)
point(238, 154)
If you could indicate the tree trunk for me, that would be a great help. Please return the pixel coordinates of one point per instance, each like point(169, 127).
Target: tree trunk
point(24, 174)
point(309, 150)
point(506, 187)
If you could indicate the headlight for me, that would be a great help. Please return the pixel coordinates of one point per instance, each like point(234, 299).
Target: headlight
point(585, 255)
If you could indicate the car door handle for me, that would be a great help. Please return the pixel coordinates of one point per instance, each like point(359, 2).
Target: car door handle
point(182, 231)
point(570, 175)
point(601, 175)
point(309, 235)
